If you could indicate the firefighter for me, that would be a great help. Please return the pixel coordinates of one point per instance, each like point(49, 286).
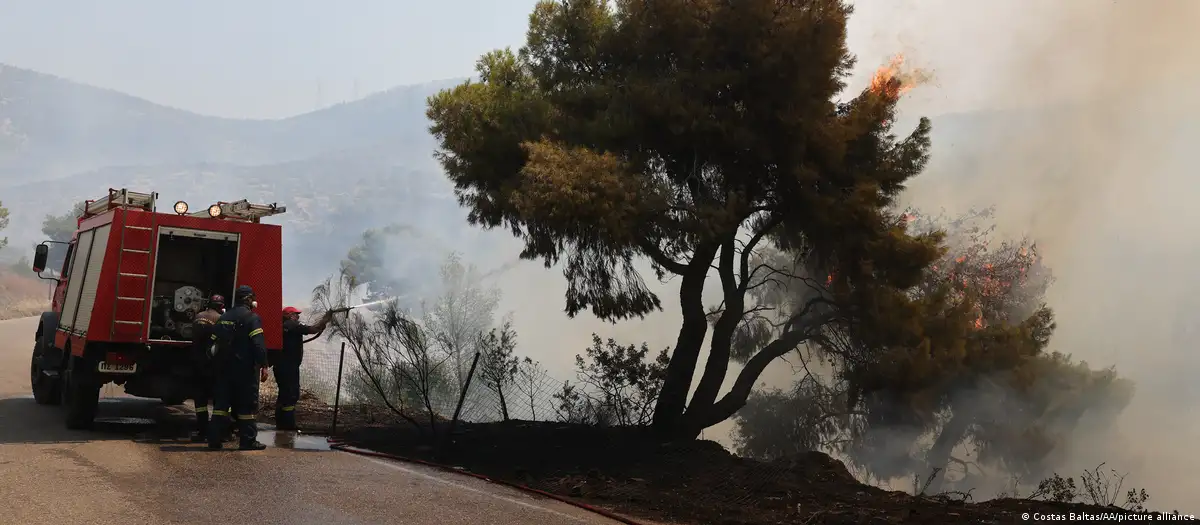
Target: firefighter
point(287, 368)
point(241, 355)
point(201, 344)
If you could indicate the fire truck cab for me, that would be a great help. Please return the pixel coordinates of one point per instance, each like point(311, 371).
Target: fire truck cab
point(132, 281)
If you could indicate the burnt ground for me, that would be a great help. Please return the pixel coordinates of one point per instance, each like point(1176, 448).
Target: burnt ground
point(697, 482)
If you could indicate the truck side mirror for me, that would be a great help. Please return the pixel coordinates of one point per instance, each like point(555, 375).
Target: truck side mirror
point(40, 253)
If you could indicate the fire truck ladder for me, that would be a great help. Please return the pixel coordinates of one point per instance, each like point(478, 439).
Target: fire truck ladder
point(241, 210)
point(133, 261)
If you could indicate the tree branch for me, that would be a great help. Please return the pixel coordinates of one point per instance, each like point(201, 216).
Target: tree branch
point(735, 399)
point(748, 249)
point(656, 254)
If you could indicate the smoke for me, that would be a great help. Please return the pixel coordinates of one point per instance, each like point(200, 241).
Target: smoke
point(1073, 118)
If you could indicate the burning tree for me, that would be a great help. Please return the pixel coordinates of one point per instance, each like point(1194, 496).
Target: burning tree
point(982, 379)
point(692, 134)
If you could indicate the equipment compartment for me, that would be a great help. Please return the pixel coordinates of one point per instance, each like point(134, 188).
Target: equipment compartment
point(191, 266)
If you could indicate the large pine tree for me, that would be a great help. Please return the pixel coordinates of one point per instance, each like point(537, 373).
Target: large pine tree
point(694, 133)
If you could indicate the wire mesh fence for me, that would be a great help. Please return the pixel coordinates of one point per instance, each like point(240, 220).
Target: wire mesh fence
point(566, 435)
point(332, 376)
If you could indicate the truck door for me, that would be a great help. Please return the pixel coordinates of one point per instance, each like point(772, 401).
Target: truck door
point(60, 289)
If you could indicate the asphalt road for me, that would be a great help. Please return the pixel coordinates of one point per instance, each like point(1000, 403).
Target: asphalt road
point(132, 469)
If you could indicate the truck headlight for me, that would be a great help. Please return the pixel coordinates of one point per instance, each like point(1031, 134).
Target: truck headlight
point(214, 210)
point(181, 207)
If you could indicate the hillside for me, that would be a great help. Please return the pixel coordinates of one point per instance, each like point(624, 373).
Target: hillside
point(51, 127)
point(339, 170)
point(330, 202)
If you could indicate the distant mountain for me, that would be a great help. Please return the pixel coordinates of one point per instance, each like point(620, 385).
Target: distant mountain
point(51, 127)
point(339, 170)
point(330, 202)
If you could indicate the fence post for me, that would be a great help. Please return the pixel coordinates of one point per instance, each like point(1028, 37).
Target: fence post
point(337, 395)
point(462, 397)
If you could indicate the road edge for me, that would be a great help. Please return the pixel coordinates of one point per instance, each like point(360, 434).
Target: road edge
point(338, 445)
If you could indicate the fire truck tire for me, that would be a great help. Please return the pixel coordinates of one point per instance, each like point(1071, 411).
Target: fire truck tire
point(47, 390)
point(81, 394)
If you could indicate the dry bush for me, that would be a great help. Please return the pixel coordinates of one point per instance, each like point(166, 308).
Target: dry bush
point(22, 296)
point(1102, 488)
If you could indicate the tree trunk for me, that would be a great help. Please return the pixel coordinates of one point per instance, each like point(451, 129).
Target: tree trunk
point(672, 398)
point(703, 417)
point(503, 404)
point(717, 364)
point(458, 365)
point(939, 455)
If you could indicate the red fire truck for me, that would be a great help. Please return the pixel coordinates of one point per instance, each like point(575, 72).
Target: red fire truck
point(131, 283)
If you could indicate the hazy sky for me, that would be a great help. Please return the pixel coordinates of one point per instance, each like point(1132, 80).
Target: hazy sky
point(275, 58)
point(260, 58)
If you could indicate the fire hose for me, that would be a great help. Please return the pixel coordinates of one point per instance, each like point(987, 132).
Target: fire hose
point(341, 310)
point(336, 444)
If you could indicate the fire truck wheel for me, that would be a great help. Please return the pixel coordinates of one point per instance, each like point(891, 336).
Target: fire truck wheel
point(81, 394)
point(46, 390)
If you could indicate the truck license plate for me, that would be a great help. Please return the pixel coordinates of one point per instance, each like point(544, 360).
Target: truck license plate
point(115, 368)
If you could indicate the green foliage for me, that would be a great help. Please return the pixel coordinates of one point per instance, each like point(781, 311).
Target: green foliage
point(692, 134)
point(3, 223)
point(498, 366)
point(62, 227)
point(618, 385)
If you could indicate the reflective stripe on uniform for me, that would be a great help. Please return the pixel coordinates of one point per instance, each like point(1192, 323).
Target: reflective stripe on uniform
point(214, 337)
point(219, 413)
point(288, 408)
point(226, 322)
point(245, 418)
point(256, 331)
point(203, 409)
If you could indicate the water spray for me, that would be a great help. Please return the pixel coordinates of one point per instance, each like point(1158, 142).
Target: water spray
point(346, 309)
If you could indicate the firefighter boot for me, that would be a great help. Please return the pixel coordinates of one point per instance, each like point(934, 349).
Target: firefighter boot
point(218, 429)
point(285, 418)
point(202, 420)
point(231, 431)
point(248, 435)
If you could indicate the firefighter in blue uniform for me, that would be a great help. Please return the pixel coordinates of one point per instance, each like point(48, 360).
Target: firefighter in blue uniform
point(287, 368)
point(241, 364)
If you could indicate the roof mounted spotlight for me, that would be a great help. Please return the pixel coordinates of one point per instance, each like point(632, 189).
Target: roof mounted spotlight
point(181, 207)
point(214, 211)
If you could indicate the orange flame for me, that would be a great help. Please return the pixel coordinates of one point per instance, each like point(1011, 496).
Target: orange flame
point(892, 80)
